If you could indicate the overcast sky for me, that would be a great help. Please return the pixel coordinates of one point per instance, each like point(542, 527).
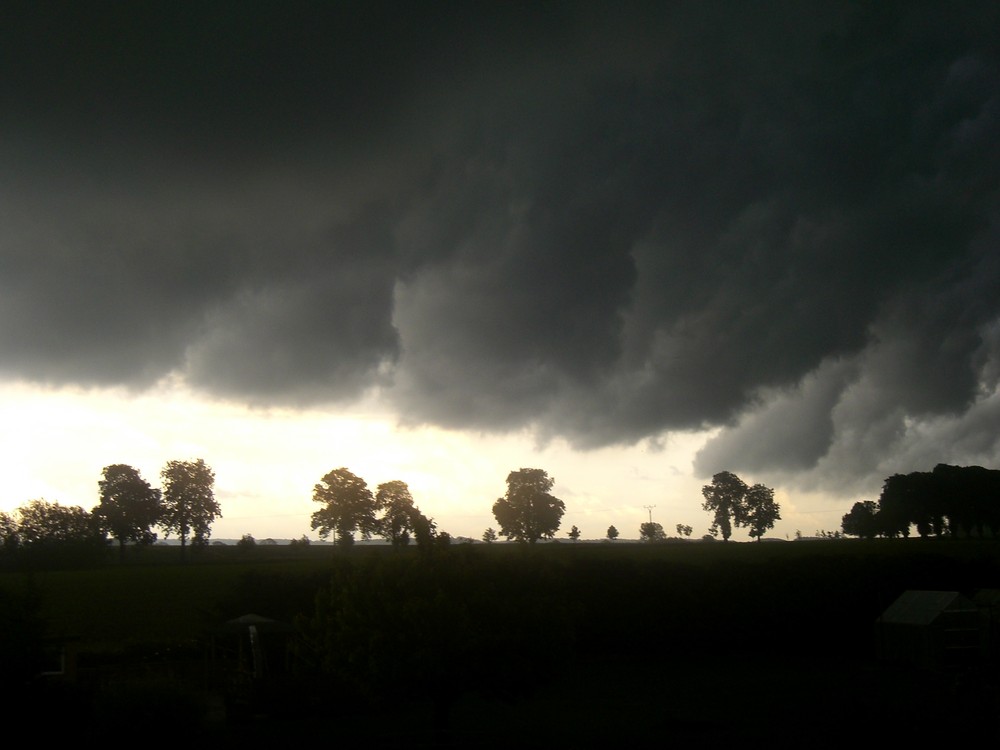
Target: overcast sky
point(770, 231)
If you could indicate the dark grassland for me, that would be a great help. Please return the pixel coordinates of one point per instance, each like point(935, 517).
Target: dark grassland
point(487, 645)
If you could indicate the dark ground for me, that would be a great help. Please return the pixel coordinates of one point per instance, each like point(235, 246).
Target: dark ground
point(619, 648)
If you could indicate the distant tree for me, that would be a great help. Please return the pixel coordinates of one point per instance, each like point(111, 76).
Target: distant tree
point(189, 504)
point(650, 531)
point(573, 533)
point(760, 511)
point(965, 500)
point(528, 511)
point(269, 542)
point(683, 530)
point(862, 520)
point(894, 515)
point(490, 535)
point(8, 531)
point(724, 499)
point(348, 506)
point(129, 507)
point(42, 522)
point(398, 512)
point(953, 500)
point(612, 533)
point(302, 541)
point(425, 531)
point(246, 542)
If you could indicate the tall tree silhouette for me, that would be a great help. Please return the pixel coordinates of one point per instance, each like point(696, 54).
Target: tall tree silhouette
point(528, 511)
point(129, 507)
point(348, 506)
point(724, 499)
point(189, 504)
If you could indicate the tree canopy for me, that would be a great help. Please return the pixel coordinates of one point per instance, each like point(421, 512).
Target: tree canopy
point(949, 500)
point(760, 511)
point(724, 499)
point(8, 531)
point(129, 507)
point(348, 506)
point(733, 503)
point(528, 511)
point(862, 520)
point(396, 503)
point(189, 504)
point(43, 522)
point(650, 531)
point(401, 517)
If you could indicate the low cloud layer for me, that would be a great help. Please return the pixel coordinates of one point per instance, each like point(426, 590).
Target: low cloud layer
point(603, 224)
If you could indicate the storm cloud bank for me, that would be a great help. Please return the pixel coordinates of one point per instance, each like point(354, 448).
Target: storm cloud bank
point(780, 219)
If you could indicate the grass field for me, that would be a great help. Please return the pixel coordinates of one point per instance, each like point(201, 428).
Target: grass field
point(155, 597)
point(606, 634)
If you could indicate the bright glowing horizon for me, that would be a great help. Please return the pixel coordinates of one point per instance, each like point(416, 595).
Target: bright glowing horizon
point(266, 462)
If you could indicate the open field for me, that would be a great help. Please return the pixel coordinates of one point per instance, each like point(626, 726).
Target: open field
point(616, 641)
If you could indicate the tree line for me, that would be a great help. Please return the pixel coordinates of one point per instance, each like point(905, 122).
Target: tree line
point(128, 511)
point(529, 512)
point(349, 507)
point(947, 501)
point(130, 508)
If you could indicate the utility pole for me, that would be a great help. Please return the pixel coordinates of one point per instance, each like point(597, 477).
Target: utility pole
point(649, 509)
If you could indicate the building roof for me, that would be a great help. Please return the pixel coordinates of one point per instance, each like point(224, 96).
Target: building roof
point(923, 607)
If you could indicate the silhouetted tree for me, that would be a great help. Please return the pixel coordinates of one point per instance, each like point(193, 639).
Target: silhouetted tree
point(42, 522)
point(129, 507)
point(970, 498)
point(425, 531)
point(396, 503)
point(862, 520)
point(246, 542)
point(348, 506)
point(894, 507)
point(189, 504)
point(650, 531)
point(573, 533)
point(724, 499)
point(760, 511)
point(528, 511)
point(683, 530)
point(490, 535)
point(302, 541)
point(612, 533)
point(959, 500)
point(8, 532)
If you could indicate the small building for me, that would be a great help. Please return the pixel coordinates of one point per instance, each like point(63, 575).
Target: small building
point(932, 630)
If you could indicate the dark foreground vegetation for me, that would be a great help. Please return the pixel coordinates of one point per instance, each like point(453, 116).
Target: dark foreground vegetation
point(488, 645)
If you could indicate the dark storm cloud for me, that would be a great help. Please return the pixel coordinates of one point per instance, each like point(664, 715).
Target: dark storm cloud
point(778, 219)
